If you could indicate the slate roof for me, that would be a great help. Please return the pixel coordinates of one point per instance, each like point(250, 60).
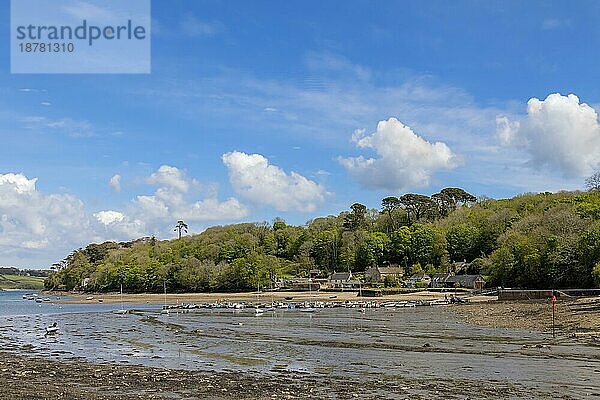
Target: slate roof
point(463, 280)
point(390, 271)
point(341, 276)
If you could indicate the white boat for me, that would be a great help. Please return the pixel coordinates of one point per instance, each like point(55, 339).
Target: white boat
point(122, 310)
point(52, 329)
point(258, 311)
point(308, 310)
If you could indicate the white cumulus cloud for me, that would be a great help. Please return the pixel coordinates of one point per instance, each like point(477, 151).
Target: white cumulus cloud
point(115, 183)
point(404, 159)
point(171, 177)
point(559, 132)
point(174, 199)
point(109, 217)
point(17, 182)
point(254, 178)
point(37, 229)
point(31, 221)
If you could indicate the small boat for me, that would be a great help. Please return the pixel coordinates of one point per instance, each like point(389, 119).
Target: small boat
point(308, 310)
point(289, 298)
point(52, 329)
point(258, 311)
point(122, 310)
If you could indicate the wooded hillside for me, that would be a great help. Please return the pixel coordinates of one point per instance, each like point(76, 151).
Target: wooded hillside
point(532, 240)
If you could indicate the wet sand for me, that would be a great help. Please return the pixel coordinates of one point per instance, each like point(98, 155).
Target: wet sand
point(571, 317)
point(423, 353)
point(33, 378)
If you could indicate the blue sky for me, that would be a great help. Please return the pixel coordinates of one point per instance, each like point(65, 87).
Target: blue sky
point(259, 109)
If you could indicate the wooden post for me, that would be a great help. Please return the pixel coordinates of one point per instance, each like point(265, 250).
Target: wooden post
point(553, 310)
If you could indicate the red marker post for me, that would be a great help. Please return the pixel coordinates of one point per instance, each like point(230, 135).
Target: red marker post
point(553, 310)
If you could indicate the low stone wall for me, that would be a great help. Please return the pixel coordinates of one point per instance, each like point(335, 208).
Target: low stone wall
point(524, 294)
point(518, 294)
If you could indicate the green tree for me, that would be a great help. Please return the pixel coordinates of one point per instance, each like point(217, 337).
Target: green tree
point(596, 274)
point(356, 218)
point(373, 250)
point(463, 242)
point(389, 205)
point(181, 226)
point(428, 245)
point(416, 205)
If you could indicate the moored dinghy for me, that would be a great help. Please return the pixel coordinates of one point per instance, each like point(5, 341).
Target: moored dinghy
point(122, 310)
point(52, 329)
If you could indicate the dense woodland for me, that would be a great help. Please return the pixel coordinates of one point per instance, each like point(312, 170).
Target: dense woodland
point(533, 240)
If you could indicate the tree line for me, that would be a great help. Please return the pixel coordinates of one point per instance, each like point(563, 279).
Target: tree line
point(533, 240)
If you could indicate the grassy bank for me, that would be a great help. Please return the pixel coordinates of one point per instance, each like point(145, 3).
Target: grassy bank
point(21, 282)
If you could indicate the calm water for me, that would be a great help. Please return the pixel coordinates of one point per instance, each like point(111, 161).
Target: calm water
point(422, 342)
point(13, 304)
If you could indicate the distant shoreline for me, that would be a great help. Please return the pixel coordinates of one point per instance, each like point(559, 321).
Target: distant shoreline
point(262, 297)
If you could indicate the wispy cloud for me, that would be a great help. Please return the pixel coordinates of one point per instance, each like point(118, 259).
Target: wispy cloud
point(66, 126)
point(327, 114)
point(550, 24)
point(337, 64)
point(32, 90)
point(196, 27)
point(81, 10)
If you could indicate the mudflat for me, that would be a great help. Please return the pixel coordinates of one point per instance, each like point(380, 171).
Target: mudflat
point(493, 350)
point(575, 316)
point(32, 378)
